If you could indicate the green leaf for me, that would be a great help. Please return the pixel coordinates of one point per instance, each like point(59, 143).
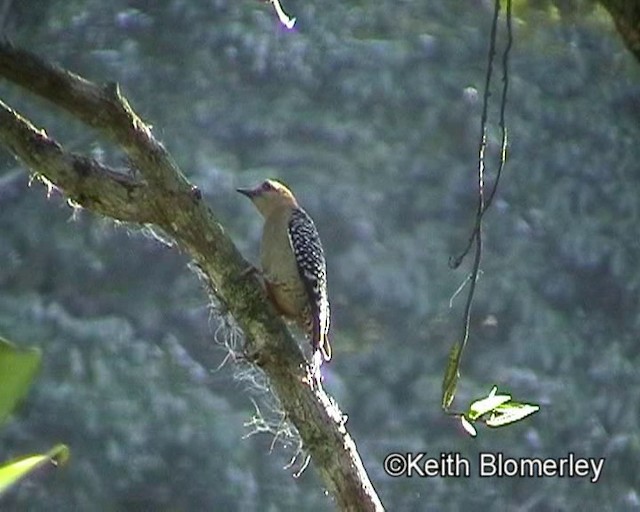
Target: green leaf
point(487, 404)
point(12, 472)
point(510, 412)
point(451, 376)
point(468, 426)
point(495, 411)
point(18, 367)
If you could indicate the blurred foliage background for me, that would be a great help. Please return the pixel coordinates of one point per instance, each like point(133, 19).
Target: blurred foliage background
point(370, 111)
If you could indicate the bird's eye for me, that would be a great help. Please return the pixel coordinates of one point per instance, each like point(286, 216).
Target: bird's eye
point(267, 186)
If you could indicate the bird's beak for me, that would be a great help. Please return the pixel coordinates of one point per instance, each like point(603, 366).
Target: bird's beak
point(249, 192)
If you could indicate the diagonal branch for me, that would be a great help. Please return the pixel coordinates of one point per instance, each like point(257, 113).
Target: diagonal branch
point(101, 107)
point(84, 180)
point(165, 198)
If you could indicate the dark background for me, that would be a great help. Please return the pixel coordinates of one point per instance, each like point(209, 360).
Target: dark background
point(370, 112)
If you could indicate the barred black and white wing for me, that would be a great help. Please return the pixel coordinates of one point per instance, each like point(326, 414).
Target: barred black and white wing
point(312, 268)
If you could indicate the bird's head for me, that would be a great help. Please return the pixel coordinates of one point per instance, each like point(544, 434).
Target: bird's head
point(269, 195)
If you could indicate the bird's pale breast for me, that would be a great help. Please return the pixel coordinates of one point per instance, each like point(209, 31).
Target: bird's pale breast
point(280, 268)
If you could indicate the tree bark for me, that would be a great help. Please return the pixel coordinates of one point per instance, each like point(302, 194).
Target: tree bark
point(626, 16)
point(159, 194)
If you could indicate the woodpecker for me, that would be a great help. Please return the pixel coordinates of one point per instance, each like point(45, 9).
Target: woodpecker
point(293, 263)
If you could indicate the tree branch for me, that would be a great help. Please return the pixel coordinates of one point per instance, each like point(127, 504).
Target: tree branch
point(165, 198)
point(85, 181)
